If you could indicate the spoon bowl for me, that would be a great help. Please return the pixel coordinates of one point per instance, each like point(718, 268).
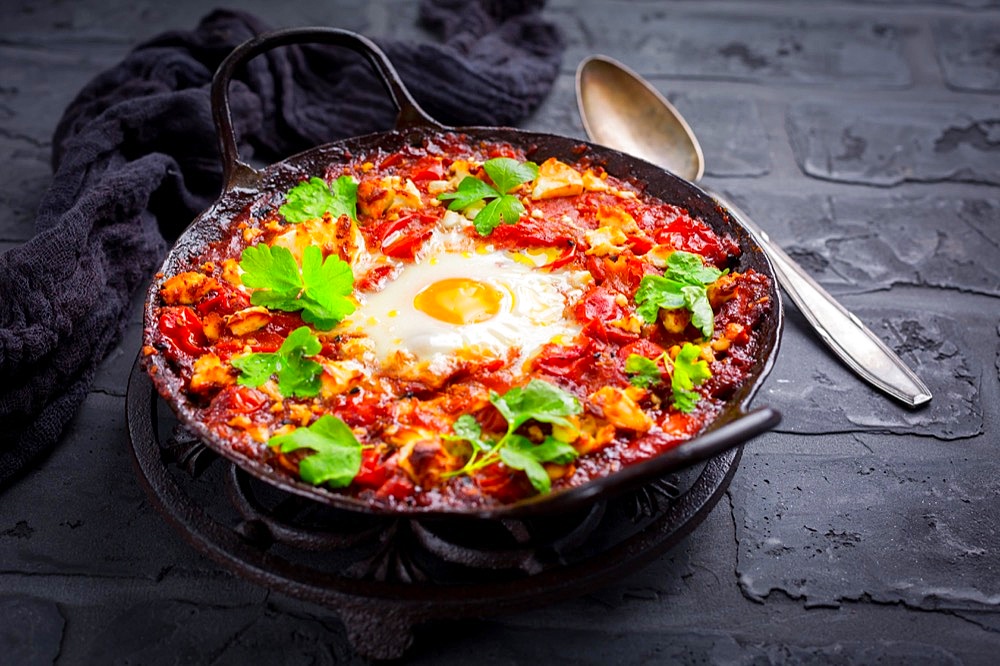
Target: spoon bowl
point(621, 110)
point(618, 109)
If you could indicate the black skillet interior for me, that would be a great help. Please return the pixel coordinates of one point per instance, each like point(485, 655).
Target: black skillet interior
point(246, 187)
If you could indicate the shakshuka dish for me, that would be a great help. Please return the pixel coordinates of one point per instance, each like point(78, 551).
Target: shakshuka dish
point(452, 325)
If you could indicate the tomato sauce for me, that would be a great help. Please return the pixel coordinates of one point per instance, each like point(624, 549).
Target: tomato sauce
point(579, 225)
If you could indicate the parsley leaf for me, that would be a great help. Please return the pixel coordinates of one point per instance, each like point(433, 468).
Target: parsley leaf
point(506, 174)
point(321, 289)
point(311, 199)
point(539, 401)
point(297, 375)
point(523, 454)
point(467, 427)
point(688, 373)
point(689, 267)
point(682, 285)
point(645, 371)
point(337, 453)
point(470, 191)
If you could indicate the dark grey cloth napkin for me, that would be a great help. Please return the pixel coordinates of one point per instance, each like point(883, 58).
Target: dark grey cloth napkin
point(135, 159)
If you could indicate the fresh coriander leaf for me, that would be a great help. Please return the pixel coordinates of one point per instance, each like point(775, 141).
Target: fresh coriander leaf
point(685, 401)
point(507, 173)
point(689, 372)
point(277, 300)
point(537, 400)
point(337, 453)
point(297, 375)
point(466, 427)
point(272, 268)
point(696, 300)
point(301, 341)
point(504, 208)
point(657, 292)
point(311, 199)
point(306, 201)
point(328, 284)
point(554, 451)
point(645, 372)
point(345, 198)
point(523, 454)
point(517, 458)
point(321, 289)
point(690, 268)
point(683, 285)
point(255, 369)
point(471, 190)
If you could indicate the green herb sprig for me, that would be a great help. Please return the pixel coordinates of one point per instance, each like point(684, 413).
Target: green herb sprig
point(538, 401)
point(297, 375)
point(320, 289)
point(311, 199)
point(688, 371)
point(645, 372)
point(683, 285)
point(503, 207)
point(337, 453)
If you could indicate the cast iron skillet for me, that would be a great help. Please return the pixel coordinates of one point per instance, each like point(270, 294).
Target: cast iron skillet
point(245, 186)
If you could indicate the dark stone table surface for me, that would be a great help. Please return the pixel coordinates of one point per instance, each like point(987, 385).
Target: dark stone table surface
point(863, 135)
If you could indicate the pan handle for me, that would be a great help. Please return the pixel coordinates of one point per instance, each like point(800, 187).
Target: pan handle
point(236, 172)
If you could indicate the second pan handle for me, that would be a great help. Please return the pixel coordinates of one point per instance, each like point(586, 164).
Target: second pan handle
point(409, 112)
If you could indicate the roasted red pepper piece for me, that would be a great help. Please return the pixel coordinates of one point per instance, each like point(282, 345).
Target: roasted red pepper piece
point(182, 328)
point(402, 238)
point(643, 347)
point(568, 254)
point(690, 235)
point(398, 487)
point(503, 483)
point(374, 278)
point(391, 160)
point(599, 304)
point(373, 472)
point(226, 301)
point(640, 244)
point(565, 360)
point(429, 168)
point(548, 232)
point(239, 399)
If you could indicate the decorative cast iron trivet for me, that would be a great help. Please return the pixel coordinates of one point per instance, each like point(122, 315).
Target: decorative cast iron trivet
point(383, 576)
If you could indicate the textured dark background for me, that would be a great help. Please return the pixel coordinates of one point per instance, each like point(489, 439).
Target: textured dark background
point(864, 136)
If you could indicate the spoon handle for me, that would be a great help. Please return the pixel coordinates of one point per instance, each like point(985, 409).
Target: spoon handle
point(855, 344)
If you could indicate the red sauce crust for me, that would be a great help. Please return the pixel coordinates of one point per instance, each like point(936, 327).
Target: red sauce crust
point(204, 319)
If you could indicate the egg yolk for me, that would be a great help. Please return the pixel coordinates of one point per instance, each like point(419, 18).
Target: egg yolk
point(459, 301)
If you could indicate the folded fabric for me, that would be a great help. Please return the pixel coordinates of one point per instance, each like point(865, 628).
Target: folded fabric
point(135, 159)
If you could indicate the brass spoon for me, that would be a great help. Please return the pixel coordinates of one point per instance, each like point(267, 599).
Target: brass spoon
point(623, 111)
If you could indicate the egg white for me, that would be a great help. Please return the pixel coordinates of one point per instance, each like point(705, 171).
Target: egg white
point(531, 312)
